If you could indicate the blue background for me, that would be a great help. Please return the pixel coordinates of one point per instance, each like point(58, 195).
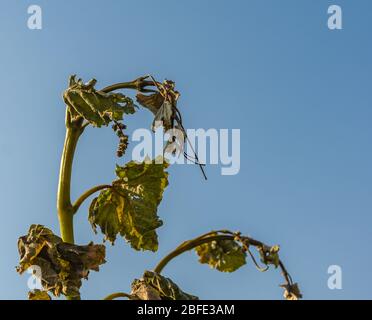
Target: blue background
point(300, 93)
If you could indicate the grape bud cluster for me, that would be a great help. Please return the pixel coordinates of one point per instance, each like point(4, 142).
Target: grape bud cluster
point(118, 127)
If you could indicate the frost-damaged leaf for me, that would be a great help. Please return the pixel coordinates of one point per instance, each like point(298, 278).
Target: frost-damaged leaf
point(270, 256)
point(292, 291)
point(153, 286)
point(62, 265)
point(223, 255)
point(130, 206)
point(153, 102)
point(97, 107)
point(162, 104)
point(38, 295)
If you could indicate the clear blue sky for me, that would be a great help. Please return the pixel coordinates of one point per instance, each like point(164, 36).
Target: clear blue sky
point(300, 93)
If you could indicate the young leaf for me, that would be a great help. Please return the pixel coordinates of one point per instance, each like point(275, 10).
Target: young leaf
point(62, 265)
point(223, 255)
point(153, 286)
point(130, 206)
point(97, 107)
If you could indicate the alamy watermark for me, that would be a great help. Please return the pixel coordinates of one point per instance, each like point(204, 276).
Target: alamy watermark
point(34, 281)
point(35, 19)
point(335, 280)
point(335, 18)
point(212, 146)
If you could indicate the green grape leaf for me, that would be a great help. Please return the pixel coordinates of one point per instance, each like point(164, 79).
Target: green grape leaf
point(103, 212)
point(153, 286)
point(129, 207)
point(38, 295)
point(223, 255)
point(59, 265)
point(97, 107)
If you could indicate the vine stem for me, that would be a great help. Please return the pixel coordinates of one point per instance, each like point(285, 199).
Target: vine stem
point(74, 128)
point(87, 194)
point(211, 236)
point(117, 295)
point(64, 207)
point(139, 84)
point(187, 246)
